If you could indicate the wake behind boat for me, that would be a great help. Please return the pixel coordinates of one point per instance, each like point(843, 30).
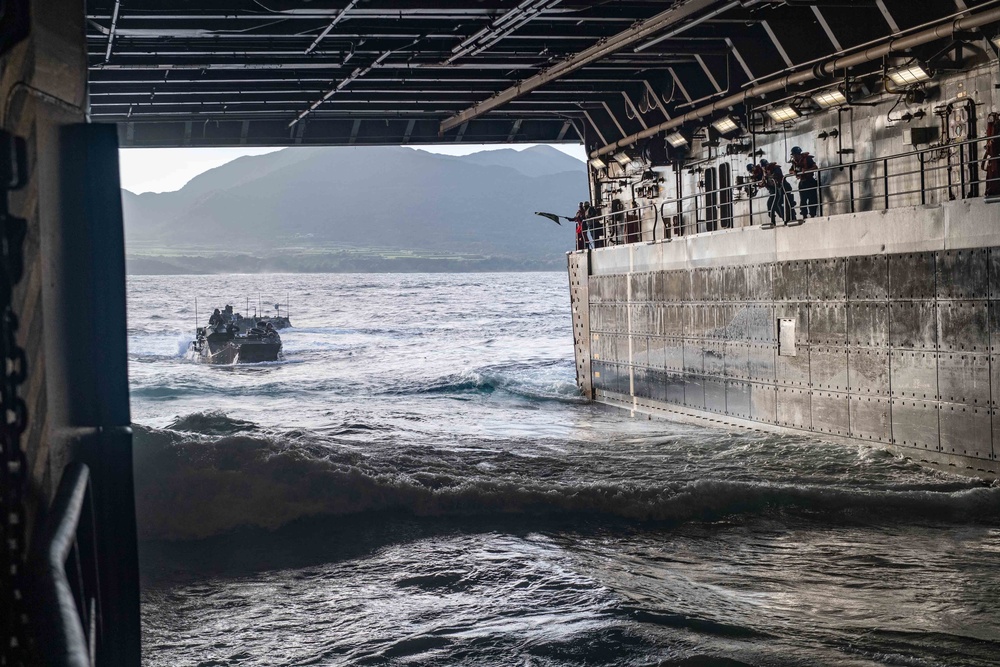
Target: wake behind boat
point(231, 338)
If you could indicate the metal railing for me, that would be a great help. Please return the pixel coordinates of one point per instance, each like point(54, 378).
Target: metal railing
point(67, 611)
point(931, 175)
point(620, 227)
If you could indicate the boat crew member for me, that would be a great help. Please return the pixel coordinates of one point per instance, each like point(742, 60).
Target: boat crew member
point(779, 200)
point(581, 234)
point(760, 173)
point(593, 227)
point(216, 319)
point(804, 168)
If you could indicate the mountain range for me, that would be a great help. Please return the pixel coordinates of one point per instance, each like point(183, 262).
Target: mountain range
point(434, 209)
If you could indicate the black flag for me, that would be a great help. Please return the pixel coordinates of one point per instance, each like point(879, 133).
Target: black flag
point(552, 216)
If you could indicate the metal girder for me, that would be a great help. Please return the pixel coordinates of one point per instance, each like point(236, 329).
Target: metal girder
point(708, 73)
point(777, 44)
point(597, 51)
point(112, 29)
point(416, 63)
point(614, 119)
point(635, 111)
point(163, 132)
point(826, 28)
point(888, 15)
point(739, 59)
point(500, 28)
point(336, 19)
point(593, 124)
point(945, 28)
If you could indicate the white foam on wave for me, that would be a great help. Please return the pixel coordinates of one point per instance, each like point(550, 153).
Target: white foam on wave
point(171, 345)
point(190, 487)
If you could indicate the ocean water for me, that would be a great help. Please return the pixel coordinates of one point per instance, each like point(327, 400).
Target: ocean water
point(419, 483)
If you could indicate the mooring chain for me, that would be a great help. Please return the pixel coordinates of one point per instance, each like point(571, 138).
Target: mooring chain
point(13, 462)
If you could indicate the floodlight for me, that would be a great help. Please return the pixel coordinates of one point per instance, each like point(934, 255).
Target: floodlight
point(909, 75)
point(598, 163)
point(783, 114)
point(830, 98)
point(996, 42)
point(725, 125)
point(677, 140)
point(622, 158)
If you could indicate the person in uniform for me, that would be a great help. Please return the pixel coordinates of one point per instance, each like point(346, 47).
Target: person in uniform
point(779, 200)
point(804, 167)
point(581, 233)
point(593, 227)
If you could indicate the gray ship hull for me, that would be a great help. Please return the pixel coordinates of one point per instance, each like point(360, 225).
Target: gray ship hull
point(860, 329)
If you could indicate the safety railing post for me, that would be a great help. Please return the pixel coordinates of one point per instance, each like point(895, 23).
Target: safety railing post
point(923, 180)
point(885, 181)
point(850, 182)
point(961, 167)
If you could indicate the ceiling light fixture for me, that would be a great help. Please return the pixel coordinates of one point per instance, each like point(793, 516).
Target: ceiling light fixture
point(783, 114)
point(830, 98)
point(909, 75)
point(598, 163)
point(725, 125)
point(623, 158)
point(677, 140)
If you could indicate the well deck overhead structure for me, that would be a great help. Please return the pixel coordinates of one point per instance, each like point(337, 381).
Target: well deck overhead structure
point(391, 72)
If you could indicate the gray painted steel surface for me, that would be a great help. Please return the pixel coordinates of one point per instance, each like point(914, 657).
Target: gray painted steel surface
point(897, 348)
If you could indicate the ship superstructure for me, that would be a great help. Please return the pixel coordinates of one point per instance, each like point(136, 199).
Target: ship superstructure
point(852, 293)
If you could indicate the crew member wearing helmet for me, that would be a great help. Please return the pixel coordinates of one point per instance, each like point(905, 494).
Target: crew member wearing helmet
point(804, 168)
point(779, 192)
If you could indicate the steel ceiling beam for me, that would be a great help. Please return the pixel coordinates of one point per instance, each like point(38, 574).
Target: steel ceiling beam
point(111, 31)
point(336, 19)
point(943, 30)
point(500, 28)
point(637, 32)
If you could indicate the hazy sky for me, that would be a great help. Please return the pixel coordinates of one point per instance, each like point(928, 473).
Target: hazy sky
point(168, 169)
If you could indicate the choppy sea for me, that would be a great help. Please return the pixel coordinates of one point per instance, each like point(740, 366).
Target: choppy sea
point(418, 482)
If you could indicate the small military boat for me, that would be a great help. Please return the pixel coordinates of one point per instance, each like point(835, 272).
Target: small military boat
point(231, 338)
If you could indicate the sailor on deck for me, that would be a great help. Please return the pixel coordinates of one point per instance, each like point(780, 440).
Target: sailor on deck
point(804, 168)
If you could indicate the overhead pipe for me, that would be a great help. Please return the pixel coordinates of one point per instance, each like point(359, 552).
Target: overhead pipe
point(111, 32)
point(601, 49)
point(494, 37)
point(468, 43)
point(698, 21)
point(337, 19)
point(820, 71)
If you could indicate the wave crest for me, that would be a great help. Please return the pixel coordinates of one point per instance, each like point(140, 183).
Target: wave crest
point(211, 422)
point(195, 487)
point(525, 383)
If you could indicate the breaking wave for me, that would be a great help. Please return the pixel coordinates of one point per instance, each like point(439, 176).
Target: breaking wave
point(528, 383)
point(211, 423)
point(196, 486)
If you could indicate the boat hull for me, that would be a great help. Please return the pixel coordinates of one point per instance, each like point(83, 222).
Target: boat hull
point(239, 352)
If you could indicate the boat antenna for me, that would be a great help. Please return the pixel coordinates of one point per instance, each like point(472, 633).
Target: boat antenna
point(196, 312)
